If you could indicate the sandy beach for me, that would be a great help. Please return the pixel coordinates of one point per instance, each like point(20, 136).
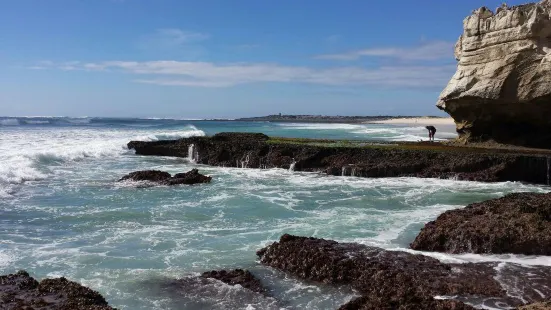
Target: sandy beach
point(417, 120)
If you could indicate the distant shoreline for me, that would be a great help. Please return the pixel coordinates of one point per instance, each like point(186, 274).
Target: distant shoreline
point(379, 119)
point(383, 119)
point(417, 121)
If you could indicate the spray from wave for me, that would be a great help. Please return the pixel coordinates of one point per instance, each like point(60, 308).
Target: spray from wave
point(9, 122)
point(34, 155)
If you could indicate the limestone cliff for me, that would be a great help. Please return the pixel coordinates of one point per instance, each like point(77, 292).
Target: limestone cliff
point(502, 88)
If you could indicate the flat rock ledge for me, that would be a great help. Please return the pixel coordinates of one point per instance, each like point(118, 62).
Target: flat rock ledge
point(400, 280)
point(237, 277)
point(358, 159)
point(164, 178)
point(518, 223)
point(21, 291)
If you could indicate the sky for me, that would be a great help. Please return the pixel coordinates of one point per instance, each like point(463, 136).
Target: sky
point(227, 58)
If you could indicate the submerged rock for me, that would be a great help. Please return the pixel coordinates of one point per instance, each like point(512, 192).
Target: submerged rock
point(20, 291)
point(501, 90)
point(237, 277)
point(517, 223)
point(399, 280)
point(217, 289)
point(164, 178)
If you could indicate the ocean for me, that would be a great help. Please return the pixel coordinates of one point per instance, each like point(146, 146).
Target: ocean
point(63, 213)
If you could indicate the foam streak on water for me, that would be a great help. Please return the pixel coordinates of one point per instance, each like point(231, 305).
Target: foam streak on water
point(63, 214)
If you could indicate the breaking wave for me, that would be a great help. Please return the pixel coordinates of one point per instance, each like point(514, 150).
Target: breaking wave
point(35, 155)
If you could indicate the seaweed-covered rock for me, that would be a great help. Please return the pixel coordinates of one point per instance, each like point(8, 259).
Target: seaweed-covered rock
point(191, 177)
point(237, 277)
point(240, 137)
point(147, 175)
point(359, 159)
point(517, 223)
point(400, 280)
point(537, 306)
point(164, 178)
point(20, 291)
point(416, 303)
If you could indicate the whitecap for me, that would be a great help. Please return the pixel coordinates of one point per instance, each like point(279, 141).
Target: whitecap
point(318, 126)
point(9, 122)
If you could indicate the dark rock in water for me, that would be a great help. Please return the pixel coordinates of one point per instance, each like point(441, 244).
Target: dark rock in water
point(537, 306)
point(191, 177)
point(238, 276)
point(249, 150)
point(415, 303)
point(517, 223)
point(240, 137)
point(20, 291)
point(215, 290)
point(399, 280)
point(164, 178)
point(147, 175)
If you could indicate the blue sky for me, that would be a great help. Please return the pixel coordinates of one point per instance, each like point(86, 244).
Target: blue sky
point(227, 58)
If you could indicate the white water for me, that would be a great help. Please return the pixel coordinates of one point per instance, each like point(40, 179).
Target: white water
point(34, 154)
point(63, 214)
point(192, 154)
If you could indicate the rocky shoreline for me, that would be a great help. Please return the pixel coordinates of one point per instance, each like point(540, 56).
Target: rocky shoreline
point(500, 91)
point(400, 280)
point(518, 223)
point(21, 291)
point(356, 158)
point(383, 279)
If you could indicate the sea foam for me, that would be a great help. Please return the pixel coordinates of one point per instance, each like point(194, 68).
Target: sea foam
point(32, 155)
point(9, 122)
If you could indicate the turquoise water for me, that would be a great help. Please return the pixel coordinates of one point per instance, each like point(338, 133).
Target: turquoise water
point(62, 213)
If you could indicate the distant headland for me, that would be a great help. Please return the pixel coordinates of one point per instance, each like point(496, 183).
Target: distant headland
point(331, 119)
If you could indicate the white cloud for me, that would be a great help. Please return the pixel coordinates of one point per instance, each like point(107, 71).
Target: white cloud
point(429, 51)
point(171, 38)
point(207, 74)
point(178, 36)
point(332, 39)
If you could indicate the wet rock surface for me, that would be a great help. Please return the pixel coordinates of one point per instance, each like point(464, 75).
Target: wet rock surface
point(237, 277)
point(414, 303)
point(20, 291)
point(537, 306)
point(399, 280)
point(164, 178)
point(517, 223)
point(426, 160)
point(218, 289)
point(147, 175)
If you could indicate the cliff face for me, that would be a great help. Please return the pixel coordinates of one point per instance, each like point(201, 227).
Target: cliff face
point(502, 88)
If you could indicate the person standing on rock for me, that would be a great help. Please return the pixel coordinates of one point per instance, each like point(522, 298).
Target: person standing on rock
point(432, 131)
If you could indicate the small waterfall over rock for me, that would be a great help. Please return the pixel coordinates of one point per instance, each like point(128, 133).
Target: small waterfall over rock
point(245, 163)
point(192, 154)
point(548, 164)
point(292, 166)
